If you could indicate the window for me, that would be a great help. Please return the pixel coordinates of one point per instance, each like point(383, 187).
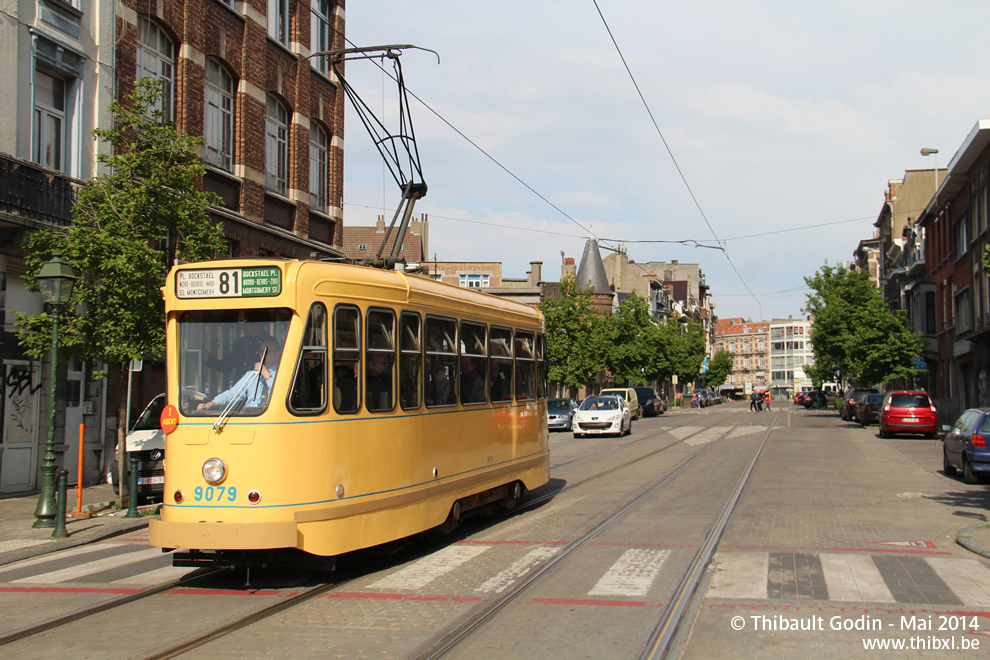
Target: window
point(49, 120)
point(156, 59)
point(960, 237)
point(218, 129)
point(278, 21)
point(474, 362)
point(276, 147)
point(930, 312)
point(320, 38)
point(309, 392)
point(525, 355)
point(541, 366)
point(346, 358)
point(500, 364)
point(474, 281)
point(441, 358)
point(362, 247)
point(964, 312)
point(410, 361)
point(319, 175)
point(380, 361)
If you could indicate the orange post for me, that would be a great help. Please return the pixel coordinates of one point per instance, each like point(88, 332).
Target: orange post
point(79, 483)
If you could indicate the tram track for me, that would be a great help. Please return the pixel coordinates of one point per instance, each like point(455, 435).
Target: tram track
point(664, 631)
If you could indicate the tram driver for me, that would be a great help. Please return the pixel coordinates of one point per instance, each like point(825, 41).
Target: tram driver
point(248, 391)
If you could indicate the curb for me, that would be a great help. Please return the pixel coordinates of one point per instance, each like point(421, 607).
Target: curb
point(965, 539)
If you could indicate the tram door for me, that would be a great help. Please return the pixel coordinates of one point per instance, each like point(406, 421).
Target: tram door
point(73, 418)
point(19, 444)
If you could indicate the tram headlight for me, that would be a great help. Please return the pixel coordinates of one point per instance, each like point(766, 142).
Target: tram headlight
point(214, 470)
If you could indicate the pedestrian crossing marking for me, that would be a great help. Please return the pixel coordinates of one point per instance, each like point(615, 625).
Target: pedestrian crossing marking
point(967, 578)
point(854, 578)
point(633, 574)
point(418, 574)
point(505, 579)
point(744, 576)
point(64, 554)
point(89, 568)
point(156, 576)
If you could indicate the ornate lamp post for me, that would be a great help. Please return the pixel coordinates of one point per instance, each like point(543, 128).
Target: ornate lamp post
point(55, 279)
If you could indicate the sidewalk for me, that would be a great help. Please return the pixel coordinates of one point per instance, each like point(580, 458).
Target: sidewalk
point(18, 540)
point(975, 539)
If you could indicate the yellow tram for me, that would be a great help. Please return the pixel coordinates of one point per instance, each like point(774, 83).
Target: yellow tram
point(331, 407)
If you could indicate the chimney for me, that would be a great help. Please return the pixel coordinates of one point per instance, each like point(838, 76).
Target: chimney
point(380, 225)
point(535, 273)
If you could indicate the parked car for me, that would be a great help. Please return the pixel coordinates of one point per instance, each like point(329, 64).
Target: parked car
point(868, 409)
point(560, 413)
point(816, 399)
point(851, 398)
point(630, 396)
point(964, 447)
point(908, 411)
point(599, 415)
point(146, 441)
point(649, 401)
point(801, 397)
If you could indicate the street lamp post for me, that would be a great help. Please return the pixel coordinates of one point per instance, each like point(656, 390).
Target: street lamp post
point(932, 152)
point(55, 279)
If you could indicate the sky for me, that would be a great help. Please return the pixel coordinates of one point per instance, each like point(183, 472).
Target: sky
point(767, 128)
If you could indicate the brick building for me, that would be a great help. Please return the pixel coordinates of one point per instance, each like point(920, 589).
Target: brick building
point(748, 343)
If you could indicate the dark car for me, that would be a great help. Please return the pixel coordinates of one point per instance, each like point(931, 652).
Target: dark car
point(908, 411)
point(868, 409)
point(816, 399)
point(560, 412)
point(801, 397)
point(649, 401)
point(851, 398)
point(964, 447)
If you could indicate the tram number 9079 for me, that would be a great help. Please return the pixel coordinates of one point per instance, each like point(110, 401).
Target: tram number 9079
point(214, 494)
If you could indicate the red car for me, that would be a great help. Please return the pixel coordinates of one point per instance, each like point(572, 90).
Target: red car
point(908, 411)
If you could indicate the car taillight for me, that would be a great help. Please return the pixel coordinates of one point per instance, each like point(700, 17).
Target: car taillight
point(979, 440)
point(868, 408)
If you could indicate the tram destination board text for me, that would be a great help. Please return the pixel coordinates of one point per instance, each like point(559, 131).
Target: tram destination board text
point(228, 283)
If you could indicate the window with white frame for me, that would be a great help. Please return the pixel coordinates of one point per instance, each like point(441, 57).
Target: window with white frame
point(278, 21)
point(320, 38)
point(319, 176)
point(156, 59)
point(49, 120)
point(276, 147)
point(474, 281)
point(218, 129)
point(964, 312)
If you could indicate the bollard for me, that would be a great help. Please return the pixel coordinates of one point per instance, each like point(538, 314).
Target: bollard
point(61, 488)
point(132, 511)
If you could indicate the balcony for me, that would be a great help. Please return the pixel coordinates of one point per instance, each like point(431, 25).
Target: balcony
point(32, 195)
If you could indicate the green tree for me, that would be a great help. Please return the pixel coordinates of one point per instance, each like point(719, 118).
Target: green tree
point(854, 332)
point(121, 222)
point(629, 346)
point(688, 352)
point(719, 368)
point(575, 336)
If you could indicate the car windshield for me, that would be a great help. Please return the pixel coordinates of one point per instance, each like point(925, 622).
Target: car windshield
point(218, 353)
point(600, 403)
point(874, 398)
point(909, 401)
point(558, 405)
point(150, 419)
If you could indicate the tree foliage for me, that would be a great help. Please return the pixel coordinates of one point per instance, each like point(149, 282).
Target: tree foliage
point(128, 225)
point(628, 349)
point(719, 368)
point(575, 336)
point(854, 333)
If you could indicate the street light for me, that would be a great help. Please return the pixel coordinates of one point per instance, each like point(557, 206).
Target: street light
point(927, 151)
point(55, 279)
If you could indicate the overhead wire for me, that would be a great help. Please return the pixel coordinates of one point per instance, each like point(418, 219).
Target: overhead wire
point(671, 153)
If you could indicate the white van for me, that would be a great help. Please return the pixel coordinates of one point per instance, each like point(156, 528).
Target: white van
point(146, 440)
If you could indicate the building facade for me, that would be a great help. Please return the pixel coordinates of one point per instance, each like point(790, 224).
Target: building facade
point(790, 350)
point(748, 343)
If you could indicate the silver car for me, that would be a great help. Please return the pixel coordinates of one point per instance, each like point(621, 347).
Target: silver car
point(560, 412)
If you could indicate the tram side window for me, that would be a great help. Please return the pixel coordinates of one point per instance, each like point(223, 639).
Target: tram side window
point(541, 366)
point(500, 364)
point(346, 358)
point(309, 392)
point(441, 356)
point(474, 363)
point(525, 365)
point(410, 361)
point(379, 386)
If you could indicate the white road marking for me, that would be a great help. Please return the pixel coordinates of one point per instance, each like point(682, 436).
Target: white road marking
point(633, 574)
point(89, 568)
point(62, 554)
point(969, 579)
point(744, 576)
point(157, 576)
point(424, 571)
point(854, 578)
point(499, 583)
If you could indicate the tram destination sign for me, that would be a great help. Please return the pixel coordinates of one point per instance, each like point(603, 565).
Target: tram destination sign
point(228, 282)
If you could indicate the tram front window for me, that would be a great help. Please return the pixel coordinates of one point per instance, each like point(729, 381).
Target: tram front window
point(228, 360)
